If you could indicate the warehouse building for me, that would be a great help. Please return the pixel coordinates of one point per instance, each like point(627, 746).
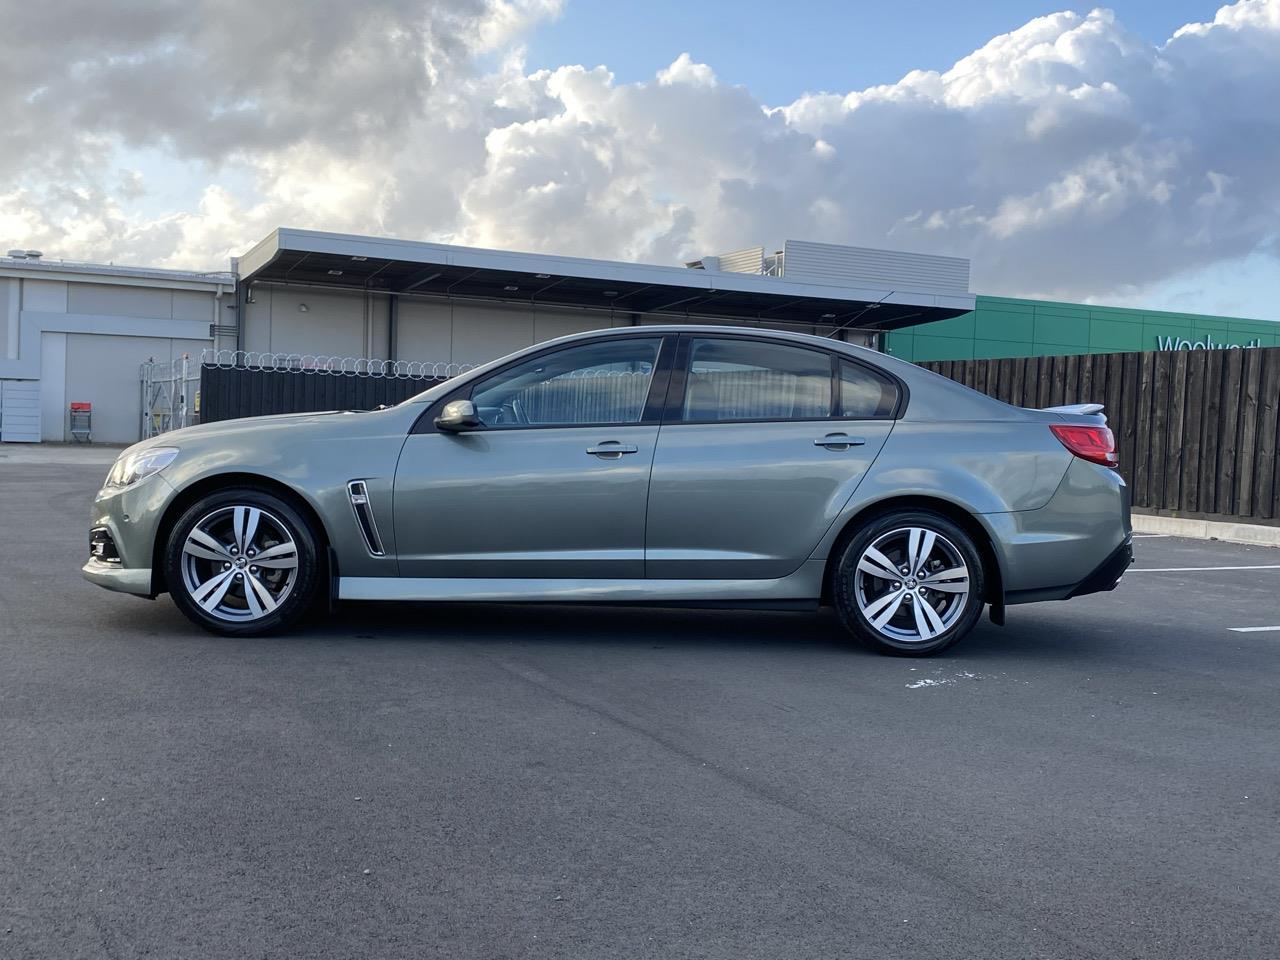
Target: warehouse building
point(107, 336)
point(329, 294)
point(92, 334)
point(78, 332)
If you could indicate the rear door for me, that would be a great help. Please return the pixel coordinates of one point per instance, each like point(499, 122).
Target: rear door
point(762, 444)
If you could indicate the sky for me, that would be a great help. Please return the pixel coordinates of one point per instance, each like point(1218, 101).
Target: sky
point(1122, 154)
point(782, 50)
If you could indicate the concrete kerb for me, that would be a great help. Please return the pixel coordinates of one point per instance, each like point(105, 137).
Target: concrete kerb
point(1231, 532)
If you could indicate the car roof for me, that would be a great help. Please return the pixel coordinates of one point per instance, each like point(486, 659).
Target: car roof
point(764, 333)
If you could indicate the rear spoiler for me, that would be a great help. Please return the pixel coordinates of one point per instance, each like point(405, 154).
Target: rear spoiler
point(1079, 409)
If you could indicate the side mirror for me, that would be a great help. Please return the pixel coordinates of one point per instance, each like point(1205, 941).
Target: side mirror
point(457, 416)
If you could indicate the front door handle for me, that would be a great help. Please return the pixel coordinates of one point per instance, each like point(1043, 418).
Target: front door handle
point(839, 441)
point(612, 449)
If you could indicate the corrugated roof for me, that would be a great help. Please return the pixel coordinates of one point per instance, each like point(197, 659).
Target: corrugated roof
point(380, 264)
point(108, 271)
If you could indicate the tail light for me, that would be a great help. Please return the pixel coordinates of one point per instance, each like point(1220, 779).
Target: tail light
point(1095, 444)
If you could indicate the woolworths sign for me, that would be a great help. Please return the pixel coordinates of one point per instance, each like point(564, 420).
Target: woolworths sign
point(1175, 343)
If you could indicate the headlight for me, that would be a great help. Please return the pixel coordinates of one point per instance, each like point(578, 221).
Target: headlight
point(133, 467)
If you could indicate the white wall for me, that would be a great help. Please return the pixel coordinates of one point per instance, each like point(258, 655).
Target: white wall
point(424, 331)
point(352, 324)
point(334, 323)
point(104, 371)
point(44, 296)
point(53, 387)
point(120, 301)
point(10, 314)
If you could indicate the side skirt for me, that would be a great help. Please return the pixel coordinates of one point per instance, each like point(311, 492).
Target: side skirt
point(804, 585)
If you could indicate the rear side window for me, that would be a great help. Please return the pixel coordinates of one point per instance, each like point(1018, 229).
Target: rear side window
point(864, 393)
point(747, 380)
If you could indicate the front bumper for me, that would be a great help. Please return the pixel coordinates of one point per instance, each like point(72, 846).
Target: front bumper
point(118, 578)
point(122, 535)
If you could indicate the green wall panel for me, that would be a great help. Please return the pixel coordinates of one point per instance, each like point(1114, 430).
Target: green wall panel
point(1009, 327)
point(900, 345)
point(1002, 325)
point(995, 349)
point(961, 326)
point(1060, 329)
point(942, 348)
point(1110, 336)
point(1212, 324)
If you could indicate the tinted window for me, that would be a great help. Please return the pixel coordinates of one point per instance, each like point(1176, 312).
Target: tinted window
point(745, 380)
point(595, 383)
point(864, 393)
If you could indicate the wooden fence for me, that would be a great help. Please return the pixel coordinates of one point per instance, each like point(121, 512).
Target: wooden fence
point(1197, 431)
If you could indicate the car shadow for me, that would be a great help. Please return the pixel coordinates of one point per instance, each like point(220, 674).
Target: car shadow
point(1028, 637)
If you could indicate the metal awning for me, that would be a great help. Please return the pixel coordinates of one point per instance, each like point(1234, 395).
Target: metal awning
point(381, 265)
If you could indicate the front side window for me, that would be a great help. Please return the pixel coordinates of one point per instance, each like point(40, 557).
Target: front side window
point(749, 380)
point(597, 383)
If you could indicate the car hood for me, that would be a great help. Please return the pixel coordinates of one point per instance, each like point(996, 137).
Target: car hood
point(251, 423)
point(226, 428)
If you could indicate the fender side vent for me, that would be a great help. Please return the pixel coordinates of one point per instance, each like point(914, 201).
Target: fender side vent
point(359, 494)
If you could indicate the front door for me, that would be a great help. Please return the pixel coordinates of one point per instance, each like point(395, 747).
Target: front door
point(553, 485)
point(763, 445)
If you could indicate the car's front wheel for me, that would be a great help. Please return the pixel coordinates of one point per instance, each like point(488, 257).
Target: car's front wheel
point(909, 583)
point(242, 561)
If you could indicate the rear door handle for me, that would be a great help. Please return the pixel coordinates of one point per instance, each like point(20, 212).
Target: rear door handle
point(839, 441)
point(612, 449)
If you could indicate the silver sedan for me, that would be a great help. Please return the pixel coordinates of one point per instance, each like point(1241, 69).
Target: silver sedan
point(648, 465)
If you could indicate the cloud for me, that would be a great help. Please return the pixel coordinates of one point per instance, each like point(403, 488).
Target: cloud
point(212, 79)
point(1069, 158)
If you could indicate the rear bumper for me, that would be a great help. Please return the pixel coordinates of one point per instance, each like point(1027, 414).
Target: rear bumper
point(1078, 543)
point(1109, 572)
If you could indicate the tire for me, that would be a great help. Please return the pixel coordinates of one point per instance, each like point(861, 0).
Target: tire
point(943, 606)
point(210, 570)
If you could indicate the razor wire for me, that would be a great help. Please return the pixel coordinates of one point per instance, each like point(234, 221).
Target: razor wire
point(332, 366)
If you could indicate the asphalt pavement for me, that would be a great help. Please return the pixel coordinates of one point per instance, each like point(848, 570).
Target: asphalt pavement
point(1098, 779)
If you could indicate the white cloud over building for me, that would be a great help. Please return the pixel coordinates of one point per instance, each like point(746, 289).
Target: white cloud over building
point(1068, 158)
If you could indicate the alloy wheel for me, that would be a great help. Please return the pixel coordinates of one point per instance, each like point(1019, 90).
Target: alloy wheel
point(239, 563)
point(911, 584)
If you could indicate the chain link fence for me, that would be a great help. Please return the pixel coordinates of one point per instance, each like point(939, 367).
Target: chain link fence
point(170, 395)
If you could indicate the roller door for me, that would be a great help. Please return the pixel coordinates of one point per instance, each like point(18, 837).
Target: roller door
point(20, 411)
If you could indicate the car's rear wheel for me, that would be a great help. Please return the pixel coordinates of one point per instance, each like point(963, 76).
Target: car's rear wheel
point(243, 561)
point(909, 583)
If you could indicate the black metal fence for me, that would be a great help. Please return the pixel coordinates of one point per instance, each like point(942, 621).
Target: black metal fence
point(1197, 431)
point(227, 392)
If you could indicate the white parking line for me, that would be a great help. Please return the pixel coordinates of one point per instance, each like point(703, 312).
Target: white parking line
point(1263, 566)
point(1151, 536)
point(1254, 629)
